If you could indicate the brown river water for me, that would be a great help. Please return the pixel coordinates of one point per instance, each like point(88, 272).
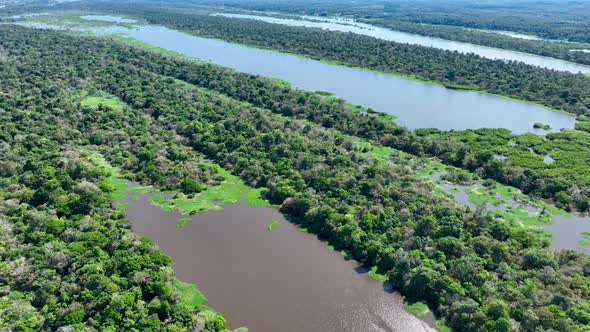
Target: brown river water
point(279, 280)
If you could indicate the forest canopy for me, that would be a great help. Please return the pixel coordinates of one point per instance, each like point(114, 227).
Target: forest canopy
point(477, 271)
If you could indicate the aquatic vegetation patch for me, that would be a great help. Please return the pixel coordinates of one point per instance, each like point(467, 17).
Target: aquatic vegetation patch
point(272, 225)
point(373, 273)
point(229, 191)
point(442, 326)
point(510, 203)
point(379, 152)
point(118, 185)
point(189, 294)
point(426, 168)
point(521, 215)
point(418, 309)
point(100, 163)
point(498, 195)
point(371, 112)
point(303, 229)
point(281, 82)
point(505, 191)
point(479, 196)
point(440, 192)
point(121, 206)
point(138, 43)
point(182, 221)
point(159, 201)
point(71, 21)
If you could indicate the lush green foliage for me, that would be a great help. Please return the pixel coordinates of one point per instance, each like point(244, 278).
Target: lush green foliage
point(272, 225)
point(417, 308)
point(566, 179)
point(472, 150)
point(68, 257)
point(477, 271)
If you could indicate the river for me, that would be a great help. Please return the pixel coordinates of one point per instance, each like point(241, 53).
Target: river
point(346, 25)
point(279, 280)
point(416, 104)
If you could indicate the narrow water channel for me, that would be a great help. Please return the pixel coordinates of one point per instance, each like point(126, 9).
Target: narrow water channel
point(268, 281)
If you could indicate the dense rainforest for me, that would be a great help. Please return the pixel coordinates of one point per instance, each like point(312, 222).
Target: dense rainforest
point(569, 51)
point(68, 257)
point(565, 180)
point(554, 89)
point(546, 19)
point(475, 270)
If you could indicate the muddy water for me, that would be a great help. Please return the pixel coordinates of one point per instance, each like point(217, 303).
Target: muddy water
point(279, 280)
point(567, 232)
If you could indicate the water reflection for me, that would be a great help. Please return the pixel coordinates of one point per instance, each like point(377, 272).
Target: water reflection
point(279, 280)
